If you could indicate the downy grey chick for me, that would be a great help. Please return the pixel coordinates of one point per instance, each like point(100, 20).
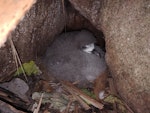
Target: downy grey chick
point(70, 57)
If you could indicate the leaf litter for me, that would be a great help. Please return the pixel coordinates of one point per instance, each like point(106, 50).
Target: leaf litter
point(65, 97)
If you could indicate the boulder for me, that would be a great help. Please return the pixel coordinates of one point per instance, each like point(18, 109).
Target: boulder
point(125, 25)
point(33, 34)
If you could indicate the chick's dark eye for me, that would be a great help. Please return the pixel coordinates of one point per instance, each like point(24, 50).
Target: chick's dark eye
point(83, 47)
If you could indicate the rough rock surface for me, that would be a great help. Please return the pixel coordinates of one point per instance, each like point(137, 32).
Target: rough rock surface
point(18, 87)
point(75, 21)
point(32, 35)
point(11, 12)
point(125, 25)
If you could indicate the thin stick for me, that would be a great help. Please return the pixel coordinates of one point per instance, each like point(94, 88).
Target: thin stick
point(83, 104)
point(76, 109)
point(16, 57)
point(64, 13)
point(68, 106)
point(39, 105)
point(79, 93)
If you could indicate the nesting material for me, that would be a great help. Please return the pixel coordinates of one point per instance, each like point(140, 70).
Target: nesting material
point(66, 59)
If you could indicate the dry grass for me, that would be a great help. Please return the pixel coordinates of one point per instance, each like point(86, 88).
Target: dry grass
point(17, 58)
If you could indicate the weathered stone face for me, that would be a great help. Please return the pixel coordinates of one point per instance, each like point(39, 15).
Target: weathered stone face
point(125, 25)
point(11, 12)
point(33, 34)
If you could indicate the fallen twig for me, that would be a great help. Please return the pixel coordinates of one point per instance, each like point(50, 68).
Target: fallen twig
point(39, 105)
point(83, 104)
point(79, 93)
point(17, 58)
point(76, 109)
point(68, 106)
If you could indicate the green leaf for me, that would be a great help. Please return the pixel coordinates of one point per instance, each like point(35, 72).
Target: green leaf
point(30, 68)
point(89, 93)
point(113, 99)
